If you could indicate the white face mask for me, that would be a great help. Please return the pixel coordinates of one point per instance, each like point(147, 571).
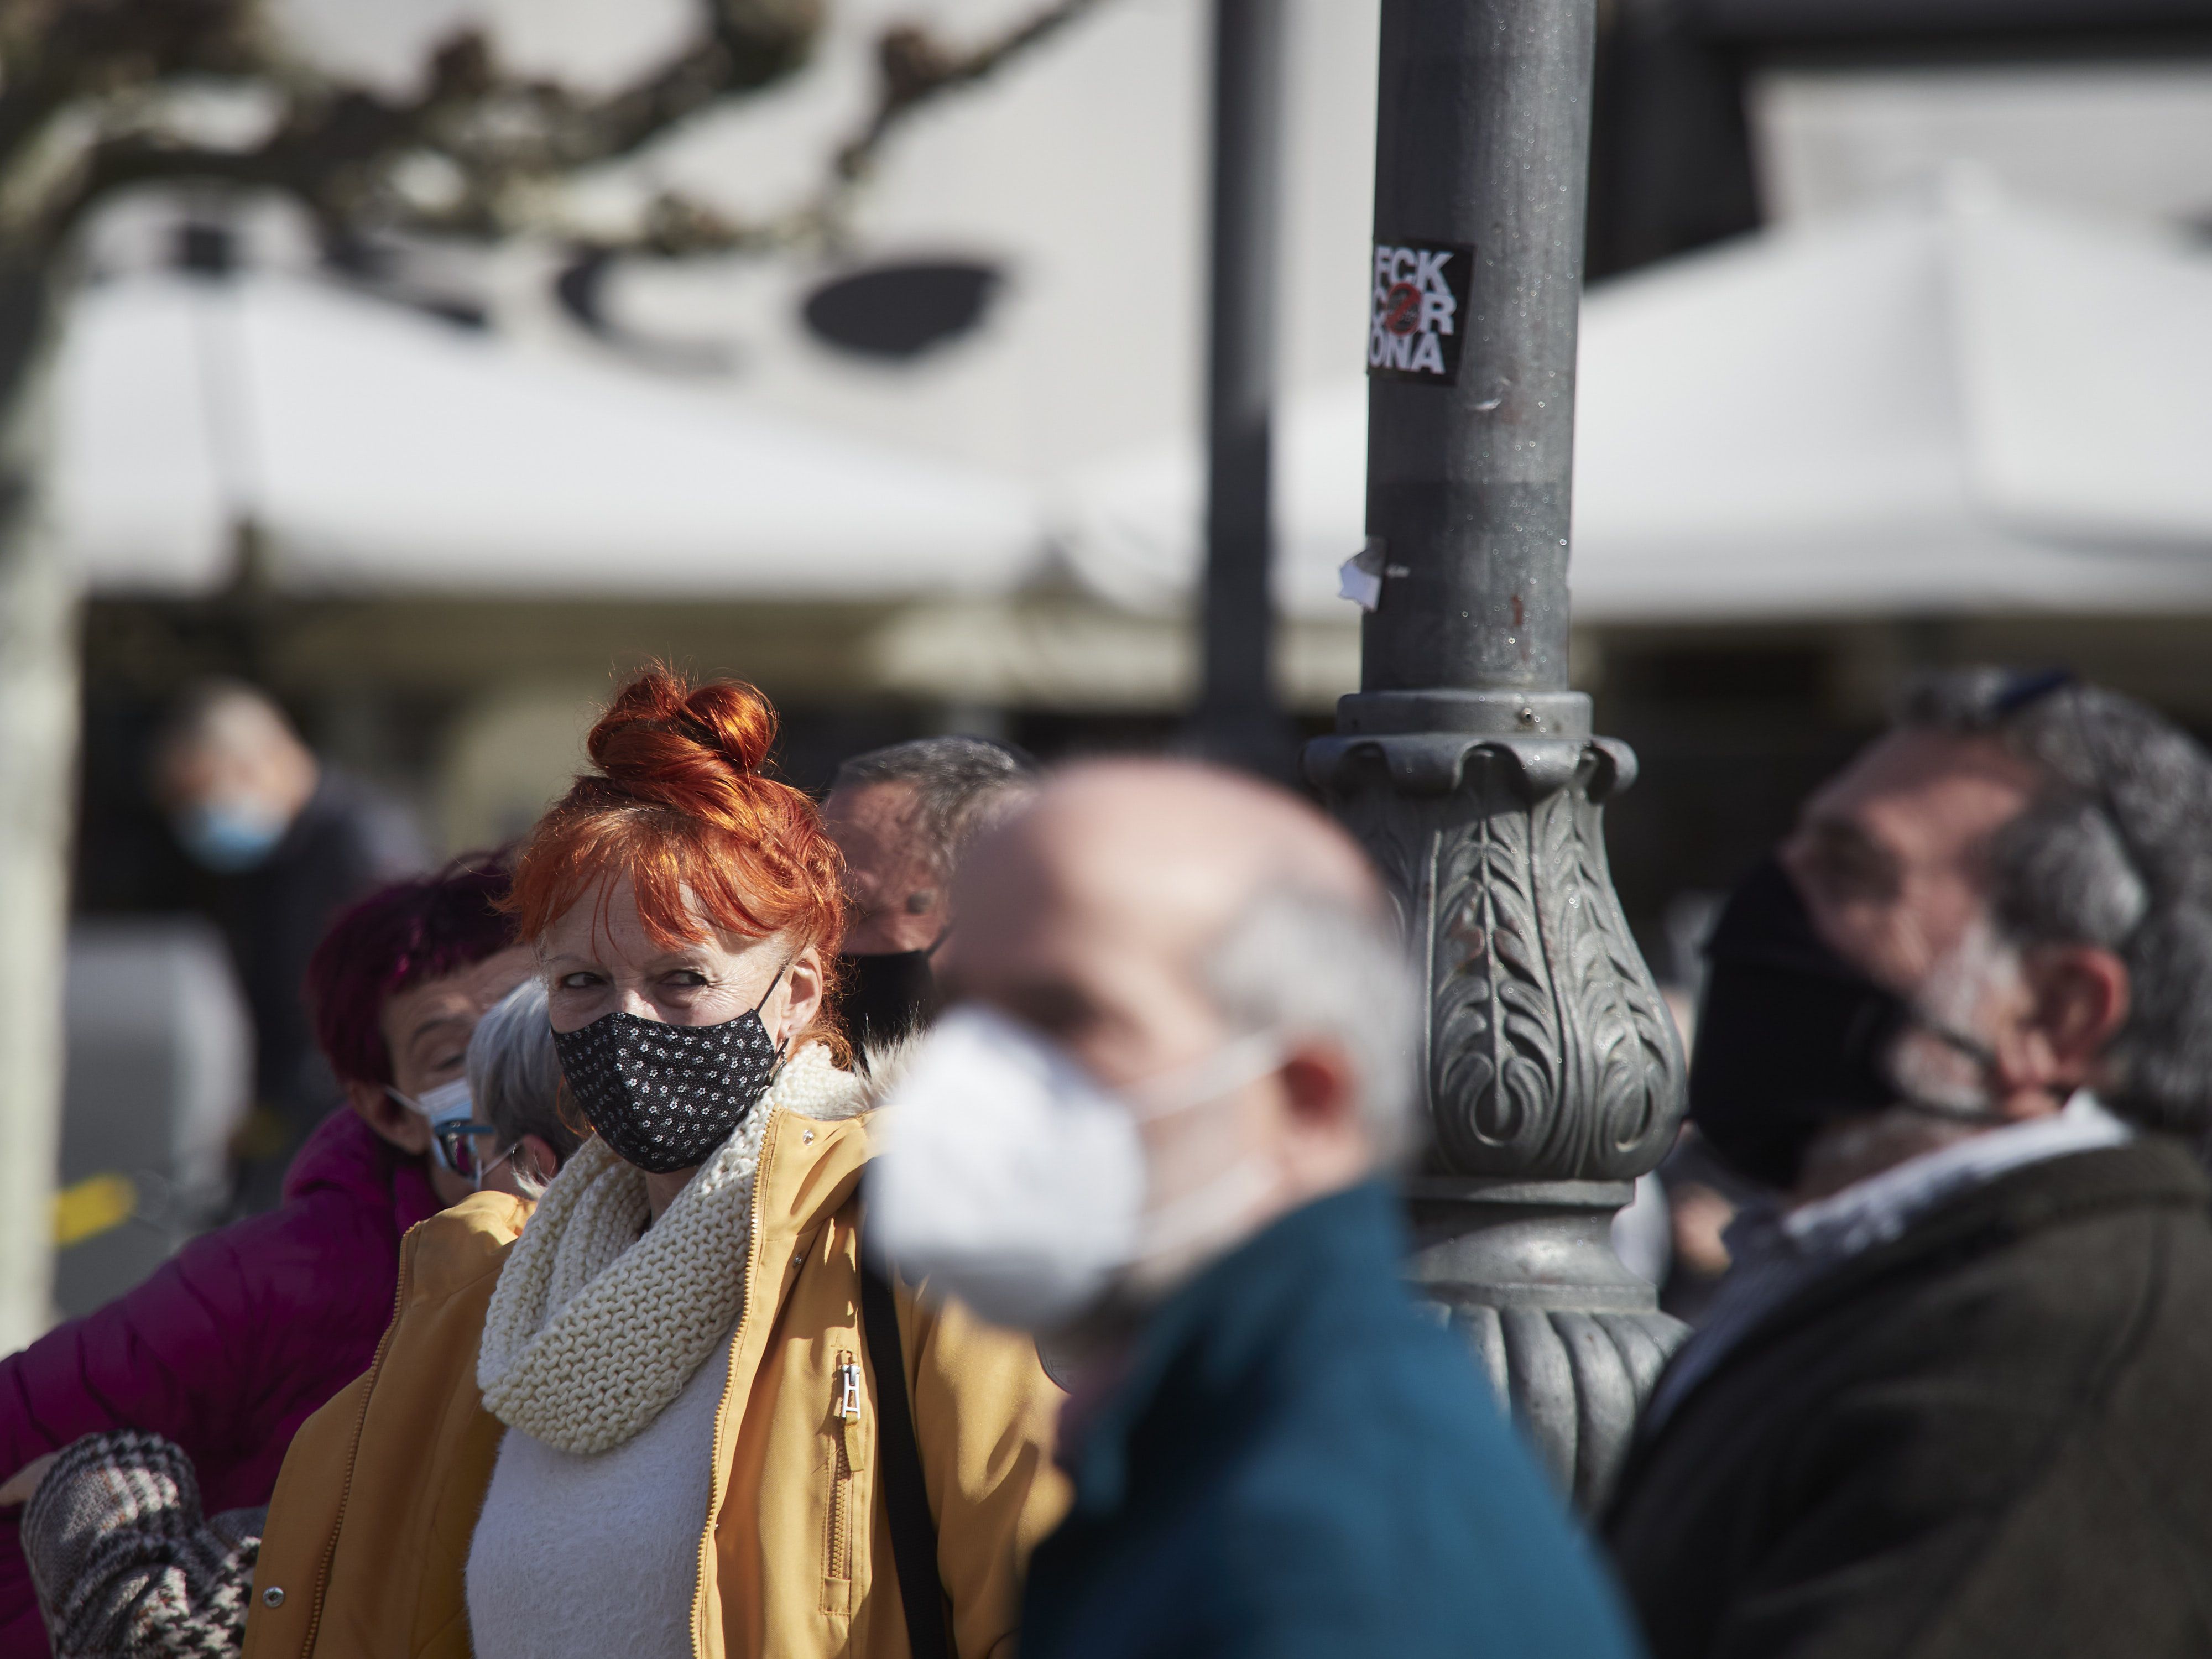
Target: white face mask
point(447, 1100)
point(1012, 1179)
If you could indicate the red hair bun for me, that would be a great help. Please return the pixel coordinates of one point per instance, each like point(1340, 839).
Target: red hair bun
point(663, 742)
point(678, 802)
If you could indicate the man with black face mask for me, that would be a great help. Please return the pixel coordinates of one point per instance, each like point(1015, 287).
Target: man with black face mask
point(1951, 1402)
point(900, 816)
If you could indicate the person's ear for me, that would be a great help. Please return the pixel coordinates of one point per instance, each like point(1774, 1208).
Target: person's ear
point(404, 1127)
point(802, 994)
point(2081, 999)
point(534, 1157)
point(1320, 1087)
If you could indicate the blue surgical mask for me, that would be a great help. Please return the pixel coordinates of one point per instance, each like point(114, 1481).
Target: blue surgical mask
point(449, 1107)
point(443, 1104)
point(228, 836)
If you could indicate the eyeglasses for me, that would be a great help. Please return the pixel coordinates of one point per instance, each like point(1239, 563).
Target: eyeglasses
point(460, 1148)
point(2022, 689)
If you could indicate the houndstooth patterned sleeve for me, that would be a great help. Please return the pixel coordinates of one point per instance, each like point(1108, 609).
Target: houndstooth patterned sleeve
point(124, 1566)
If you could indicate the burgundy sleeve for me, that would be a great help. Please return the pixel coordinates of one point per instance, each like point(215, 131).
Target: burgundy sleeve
point(174, 1355)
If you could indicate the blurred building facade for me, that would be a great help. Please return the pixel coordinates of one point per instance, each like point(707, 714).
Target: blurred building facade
point(872, 482)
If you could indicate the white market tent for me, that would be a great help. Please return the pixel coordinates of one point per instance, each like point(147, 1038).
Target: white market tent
point(378, 451)
point(1952, 404)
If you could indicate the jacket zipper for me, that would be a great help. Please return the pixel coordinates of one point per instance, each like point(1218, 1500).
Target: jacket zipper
point(845, 1407)
point(352, 1455)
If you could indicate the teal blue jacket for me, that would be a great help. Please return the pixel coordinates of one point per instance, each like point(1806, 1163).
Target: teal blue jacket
point(1302, 1461)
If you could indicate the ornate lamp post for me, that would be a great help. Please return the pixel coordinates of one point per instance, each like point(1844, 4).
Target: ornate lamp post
point(1554, 1073)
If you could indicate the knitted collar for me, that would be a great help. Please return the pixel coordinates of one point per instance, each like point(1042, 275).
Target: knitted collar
point(594, 1330)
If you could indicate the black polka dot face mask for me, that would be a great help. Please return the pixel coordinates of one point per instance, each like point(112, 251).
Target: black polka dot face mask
point(665, 1097)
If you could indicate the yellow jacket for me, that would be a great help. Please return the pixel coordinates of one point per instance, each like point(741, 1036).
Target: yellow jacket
point(369, 1530)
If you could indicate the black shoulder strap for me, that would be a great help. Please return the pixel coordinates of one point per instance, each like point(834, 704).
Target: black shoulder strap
point(898, 1453)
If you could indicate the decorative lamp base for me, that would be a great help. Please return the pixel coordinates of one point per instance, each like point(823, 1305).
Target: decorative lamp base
point(1554, 1073)
point(1527, 1273)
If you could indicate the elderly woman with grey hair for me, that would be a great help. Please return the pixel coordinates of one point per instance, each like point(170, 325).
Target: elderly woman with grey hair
point(517, 1137)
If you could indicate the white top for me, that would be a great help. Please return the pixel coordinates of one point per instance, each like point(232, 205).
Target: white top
point(1882, 1206)
point(1778, 1254)
point(585, 1557)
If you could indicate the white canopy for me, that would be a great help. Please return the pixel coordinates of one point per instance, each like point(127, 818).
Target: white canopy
point(1953, 404)
point(378, 451)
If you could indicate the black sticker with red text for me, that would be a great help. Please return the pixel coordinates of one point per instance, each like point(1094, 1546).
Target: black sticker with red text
point(1415, 319)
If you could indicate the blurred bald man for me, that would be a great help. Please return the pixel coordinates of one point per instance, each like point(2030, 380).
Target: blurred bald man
point(1158, 1130)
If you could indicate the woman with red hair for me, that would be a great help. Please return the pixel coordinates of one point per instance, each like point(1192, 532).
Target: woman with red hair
point(672, 1416)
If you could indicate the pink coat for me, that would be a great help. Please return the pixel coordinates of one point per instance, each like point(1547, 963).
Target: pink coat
point(229, 1346)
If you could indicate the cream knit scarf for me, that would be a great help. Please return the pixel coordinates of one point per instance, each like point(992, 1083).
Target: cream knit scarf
point(594, 1330)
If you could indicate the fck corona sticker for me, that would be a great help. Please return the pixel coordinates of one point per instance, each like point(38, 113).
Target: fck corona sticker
point(1420, 296)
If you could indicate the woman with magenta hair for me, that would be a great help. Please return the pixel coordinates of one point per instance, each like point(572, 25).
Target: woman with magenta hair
point(672, 1416)
point(230, 1346)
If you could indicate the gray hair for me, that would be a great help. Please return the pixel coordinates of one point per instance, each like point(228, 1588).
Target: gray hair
point(962, 786)
point(1307, 963)
point(514, 1075)
point(2116, 852)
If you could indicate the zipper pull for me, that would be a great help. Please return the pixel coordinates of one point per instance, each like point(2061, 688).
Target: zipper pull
point(849, 1397)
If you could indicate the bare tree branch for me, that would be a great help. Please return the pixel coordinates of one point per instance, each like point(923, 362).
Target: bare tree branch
point(329, 152)
point(502, 146)
point(914, 71)
point(55, 53)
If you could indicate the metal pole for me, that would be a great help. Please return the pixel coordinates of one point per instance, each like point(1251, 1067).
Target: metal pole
point(1237, 719)
point(1554, 1072)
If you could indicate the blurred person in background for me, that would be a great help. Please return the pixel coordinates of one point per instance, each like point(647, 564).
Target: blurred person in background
point(1704, 1196)
point(1699, 1195)
point(1162, 1127)
point(284, 843)
point(1702, 1193)
point(229, 1346)
point(900, 816)
point(670, 1417)
point(1951, 1399)
point(126, 1563)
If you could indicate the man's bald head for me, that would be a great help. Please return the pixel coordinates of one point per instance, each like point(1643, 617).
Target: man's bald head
point(1170, 846)
point(1143, 914)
